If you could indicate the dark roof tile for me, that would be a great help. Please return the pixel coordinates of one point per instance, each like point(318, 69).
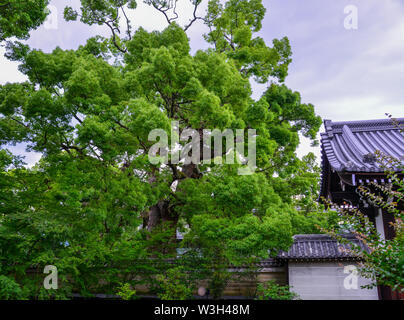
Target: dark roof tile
point(350, 145)
point(319, 246)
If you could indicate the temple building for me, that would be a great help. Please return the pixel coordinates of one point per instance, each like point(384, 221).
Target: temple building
point(348, 161)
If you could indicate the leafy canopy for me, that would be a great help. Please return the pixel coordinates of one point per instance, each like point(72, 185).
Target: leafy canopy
point(18, 18)
point(95, 206)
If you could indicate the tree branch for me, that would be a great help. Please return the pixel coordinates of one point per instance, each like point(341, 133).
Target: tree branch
point(128, 26)
point(196, 5)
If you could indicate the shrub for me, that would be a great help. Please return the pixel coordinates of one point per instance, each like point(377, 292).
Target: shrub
point(174, 286)
point(126, 292)
point(9, 289)
point(273, 291)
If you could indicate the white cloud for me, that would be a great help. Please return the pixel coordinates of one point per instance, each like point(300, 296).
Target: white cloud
point(9, 70)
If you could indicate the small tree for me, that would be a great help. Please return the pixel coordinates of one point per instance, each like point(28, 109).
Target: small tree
point(126, 292)
point(273, 291)
point(383, 261)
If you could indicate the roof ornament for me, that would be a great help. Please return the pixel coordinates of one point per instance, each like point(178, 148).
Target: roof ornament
point(369, 158)
point(328, 128)
point(349, 165)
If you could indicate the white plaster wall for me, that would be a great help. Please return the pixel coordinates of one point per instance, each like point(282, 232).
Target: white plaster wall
point(325, 281)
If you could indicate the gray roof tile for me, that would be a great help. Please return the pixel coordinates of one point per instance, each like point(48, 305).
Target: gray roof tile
point(350, 145)
point(320, 247)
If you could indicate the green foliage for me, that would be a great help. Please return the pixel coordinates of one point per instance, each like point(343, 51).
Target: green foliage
point(9, 289)
point(126, 292)
point(231, 31)
point(53, 294)
point(173, 285)
point(17, 17)
point(94, 204)
point(273, 291)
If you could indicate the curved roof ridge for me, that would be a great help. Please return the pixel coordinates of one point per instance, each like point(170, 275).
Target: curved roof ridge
point(353, 142)
point(346, 144)
point(364, 125)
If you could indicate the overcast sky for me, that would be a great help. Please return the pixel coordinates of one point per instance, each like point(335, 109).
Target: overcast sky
point(348, 74)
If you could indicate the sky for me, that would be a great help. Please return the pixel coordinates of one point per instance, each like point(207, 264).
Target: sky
point(347, 54)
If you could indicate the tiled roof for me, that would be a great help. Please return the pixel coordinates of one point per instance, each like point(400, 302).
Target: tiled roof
point(350, 145)
point(320, 247)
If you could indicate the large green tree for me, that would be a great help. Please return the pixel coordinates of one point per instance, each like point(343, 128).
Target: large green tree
point(96, 207)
